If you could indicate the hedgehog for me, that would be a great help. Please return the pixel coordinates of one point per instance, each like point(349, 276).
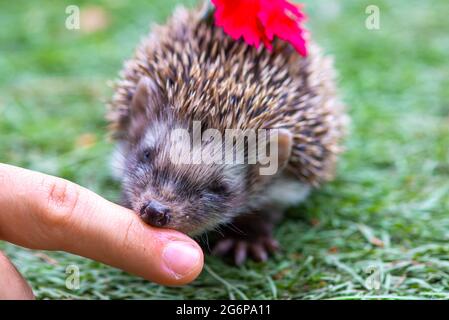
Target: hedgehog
point(189, 70)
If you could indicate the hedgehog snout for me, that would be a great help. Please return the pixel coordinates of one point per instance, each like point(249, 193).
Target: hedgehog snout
point(155, 214)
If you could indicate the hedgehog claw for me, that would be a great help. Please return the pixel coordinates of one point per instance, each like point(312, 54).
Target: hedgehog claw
point(240, 249)
point(240, 252)
point(222, 247)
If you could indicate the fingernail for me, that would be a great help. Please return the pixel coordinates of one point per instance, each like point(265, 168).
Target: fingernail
point(181, 258)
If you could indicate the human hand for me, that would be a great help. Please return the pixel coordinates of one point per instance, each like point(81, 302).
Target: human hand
point(38, 211)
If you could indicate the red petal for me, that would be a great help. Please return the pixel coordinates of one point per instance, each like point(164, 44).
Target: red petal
point(283, 19)
point(261, 20)
point(238, 18)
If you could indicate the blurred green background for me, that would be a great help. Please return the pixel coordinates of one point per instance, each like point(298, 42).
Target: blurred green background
point(387, 212)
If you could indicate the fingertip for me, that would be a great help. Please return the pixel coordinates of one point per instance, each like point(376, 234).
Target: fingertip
point(183, 261)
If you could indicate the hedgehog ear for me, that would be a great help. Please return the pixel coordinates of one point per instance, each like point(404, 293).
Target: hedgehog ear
point(285, 144)
point(144, 103)
point(279, 147)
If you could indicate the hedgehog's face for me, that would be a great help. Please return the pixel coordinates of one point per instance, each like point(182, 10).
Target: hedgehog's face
point(191, 198)
point(163, 180)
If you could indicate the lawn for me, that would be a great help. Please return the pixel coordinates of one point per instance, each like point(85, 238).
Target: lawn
point(379, 231)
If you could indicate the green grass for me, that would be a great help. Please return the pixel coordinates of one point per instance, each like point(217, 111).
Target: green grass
point(388, 209)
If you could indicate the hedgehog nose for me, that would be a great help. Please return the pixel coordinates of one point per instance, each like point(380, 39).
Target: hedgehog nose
point(155, 214)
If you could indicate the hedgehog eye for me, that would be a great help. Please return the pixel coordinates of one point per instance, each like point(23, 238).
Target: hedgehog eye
point(147, 155)
point(218, 188)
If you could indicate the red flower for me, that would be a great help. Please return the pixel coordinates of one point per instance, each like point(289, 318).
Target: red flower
point(261, 21)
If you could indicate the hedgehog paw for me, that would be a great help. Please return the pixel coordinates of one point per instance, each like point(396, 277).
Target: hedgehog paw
point(240, 249)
